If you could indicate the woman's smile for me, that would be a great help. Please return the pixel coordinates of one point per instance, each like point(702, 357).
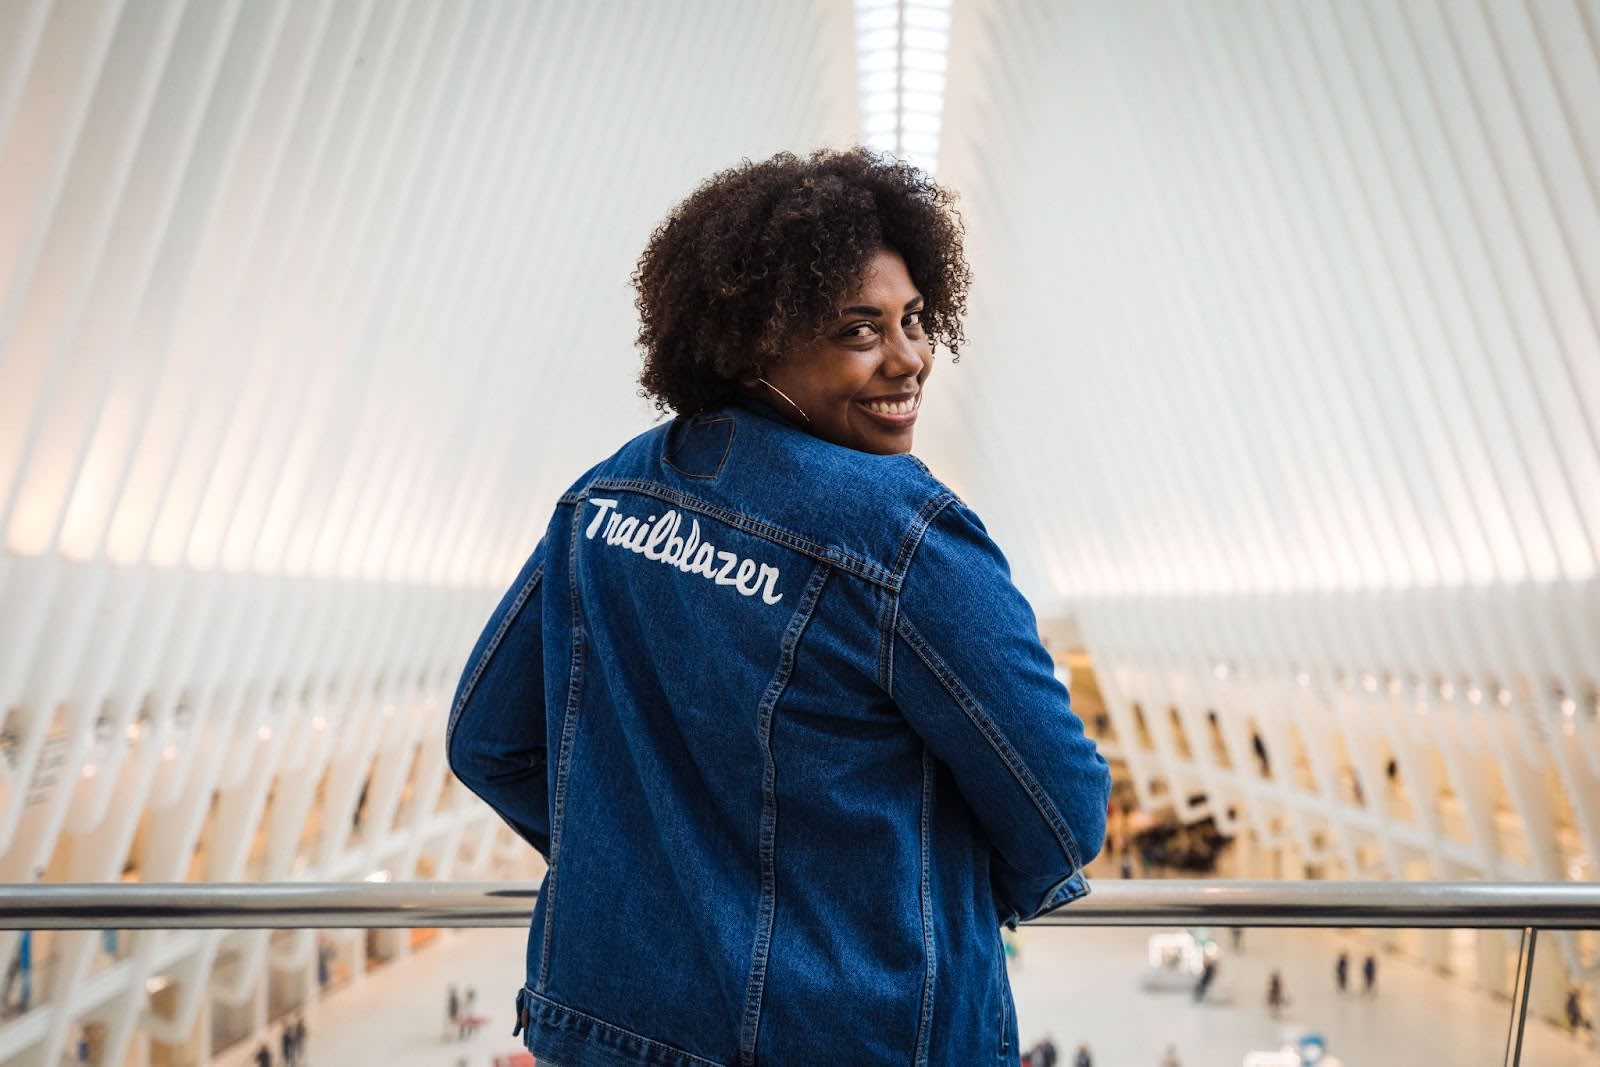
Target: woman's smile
point(894, 413)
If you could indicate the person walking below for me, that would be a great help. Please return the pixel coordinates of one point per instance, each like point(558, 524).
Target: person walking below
point(1207, 974)
point(1082, 1059)
point(1574, 1010)
point(263, 1055)
point(1369, 974)
point(325, 954)
point(1043, 1054)
point(1275, 997)
point(1341, 971)
point(454, 1008)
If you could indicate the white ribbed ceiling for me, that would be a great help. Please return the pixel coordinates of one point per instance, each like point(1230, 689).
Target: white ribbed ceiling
point(1283, 296)
point(341, 286)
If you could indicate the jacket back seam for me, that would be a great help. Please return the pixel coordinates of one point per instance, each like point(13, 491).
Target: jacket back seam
point(929, 951)
point(569, 731)
point(766, 910)
point(997, 740)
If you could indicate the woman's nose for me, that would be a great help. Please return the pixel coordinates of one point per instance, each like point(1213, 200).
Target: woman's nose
point(904, 356)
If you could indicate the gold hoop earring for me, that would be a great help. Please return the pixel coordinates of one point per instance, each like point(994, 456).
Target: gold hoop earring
point(785, 396)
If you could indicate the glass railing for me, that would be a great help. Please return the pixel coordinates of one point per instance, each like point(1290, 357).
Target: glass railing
point(1264, 974)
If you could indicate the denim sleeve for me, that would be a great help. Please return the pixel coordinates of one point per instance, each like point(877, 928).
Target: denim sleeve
point(495, 740)
point(971, 676)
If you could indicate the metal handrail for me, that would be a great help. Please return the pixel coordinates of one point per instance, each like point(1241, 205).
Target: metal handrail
point(288, 905)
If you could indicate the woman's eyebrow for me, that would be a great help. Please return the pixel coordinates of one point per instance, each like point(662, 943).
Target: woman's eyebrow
point(868, 309)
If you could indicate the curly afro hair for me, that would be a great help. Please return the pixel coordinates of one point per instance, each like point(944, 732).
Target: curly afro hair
point(754, 263)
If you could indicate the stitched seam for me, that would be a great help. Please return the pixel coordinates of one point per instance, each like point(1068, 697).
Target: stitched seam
point(902, 562)
point(766, 912)
point(997, 740)
point(1050, 903)
point(1000, 978)
point(569, 730)
point(931, 961)
point(726, 449)
point(888, 609)
point(659, 1046)
point(824, 553)
point(489, 650)
point(836, 557)
point(914, 534)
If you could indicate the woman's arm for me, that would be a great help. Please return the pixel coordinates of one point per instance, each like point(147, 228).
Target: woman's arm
point(495, 741)
point(974, 681)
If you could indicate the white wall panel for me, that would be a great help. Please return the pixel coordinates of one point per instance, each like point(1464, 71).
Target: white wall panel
point(308, 310)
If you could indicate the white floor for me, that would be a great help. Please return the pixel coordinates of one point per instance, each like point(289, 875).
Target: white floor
point(1081, 985)
point(1076, 985)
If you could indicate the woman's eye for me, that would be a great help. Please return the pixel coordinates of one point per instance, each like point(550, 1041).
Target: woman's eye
point(913, 319)
point(860, 331)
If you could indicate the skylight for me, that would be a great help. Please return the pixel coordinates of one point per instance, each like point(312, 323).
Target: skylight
point(901, 47)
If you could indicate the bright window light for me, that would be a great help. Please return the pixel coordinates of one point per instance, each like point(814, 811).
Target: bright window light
point(900, 48)
point(881, 81)
point(927, 40)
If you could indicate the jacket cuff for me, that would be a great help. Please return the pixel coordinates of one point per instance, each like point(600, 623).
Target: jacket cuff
point(1063, 892)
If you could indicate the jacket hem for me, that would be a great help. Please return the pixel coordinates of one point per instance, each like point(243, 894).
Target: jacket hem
point(571, 1038)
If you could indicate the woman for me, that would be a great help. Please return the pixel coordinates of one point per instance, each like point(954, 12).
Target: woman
point(764, 695)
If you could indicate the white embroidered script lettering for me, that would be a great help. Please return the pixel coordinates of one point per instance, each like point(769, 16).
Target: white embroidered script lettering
point(657, 538)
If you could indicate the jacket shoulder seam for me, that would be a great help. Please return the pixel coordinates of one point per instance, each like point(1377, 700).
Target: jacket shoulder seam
point(917, 530)
point(891, 605)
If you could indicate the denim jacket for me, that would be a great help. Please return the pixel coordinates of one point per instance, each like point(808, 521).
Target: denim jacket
point(782, 726)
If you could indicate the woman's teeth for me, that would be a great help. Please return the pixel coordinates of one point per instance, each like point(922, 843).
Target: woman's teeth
point(891, 407)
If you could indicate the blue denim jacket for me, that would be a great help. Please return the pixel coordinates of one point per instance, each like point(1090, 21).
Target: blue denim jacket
point(783, 727)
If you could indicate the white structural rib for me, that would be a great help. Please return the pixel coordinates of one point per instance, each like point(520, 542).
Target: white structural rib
point(308, 309)
point(1283, 379)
